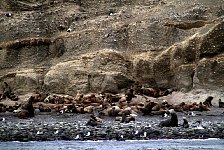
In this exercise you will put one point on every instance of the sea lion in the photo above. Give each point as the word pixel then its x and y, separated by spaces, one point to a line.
pixel 7 91
pixel 194 107
pixel 137 87
pixel 165 105
pixel 88 109
pixel 43 108
pixel 157 107
pixel 185 107
pixel 78 98
pixel 125 118
pixel 27 109
pixel 165 92
pixel 185 123
pixel 203 107
pixel 208 101
pixel 129 95
pixel 39 97
pixel 71 108
pixel 177 108
pixel 152 92
pixel 2 107
pixel 111 98
pixel 94 121
pixel 127 111
pixel 221 104
pixel 147 109
pixel 113 111
pixel 171 122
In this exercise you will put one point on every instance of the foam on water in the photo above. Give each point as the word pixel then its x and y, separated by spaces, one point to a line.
pixel 168 144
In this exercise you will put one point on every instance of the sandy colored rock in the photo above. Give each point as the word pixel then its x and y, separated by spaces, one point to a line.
pixel 63 46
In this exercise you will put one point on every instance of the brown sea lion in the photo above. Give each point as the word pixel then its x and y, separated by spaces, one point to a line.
pixel 165 92
pixel 177 108
pixel 147 109
pixel 94 121
pixel 194 107
pixel 208 101
pixel 203 107
pixel 127 111
pixel 27 109
pixel 88 109
pixel 129 95
pixel 152 92
pixel 67 99
pixel 39 97
pixel 125 118
pixel 165 105
pixel 43 108
pixel 137 87
pixel 78 98
pixel 184 106
pixel 71 109
pixel 80 109
pixel 157 107
pixel 113 111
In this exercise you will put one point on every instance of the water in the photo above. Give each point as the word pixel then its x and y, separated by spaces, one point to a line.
pixel 183 144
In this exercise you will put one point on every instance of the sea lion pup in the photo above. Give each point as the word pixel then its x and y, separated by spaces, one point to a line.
pixel 221 104
pixel 185 123
pixel 208 101
pixel 27 109
pixel 171 122
pixel 94 121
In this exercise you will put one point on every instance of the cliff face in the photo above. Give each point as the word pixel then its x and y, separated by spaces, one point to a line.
pixel 62 46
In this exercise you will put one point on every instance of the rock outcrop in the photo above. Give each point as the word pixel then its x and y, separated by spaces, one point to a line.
pixel 61 46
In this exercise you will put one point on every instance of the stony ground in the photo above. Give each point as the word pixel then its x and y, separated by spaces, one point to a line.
pixel 53 126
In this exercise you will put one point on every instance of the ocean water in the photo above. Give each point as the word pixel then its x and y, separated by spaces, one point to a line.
pixel 162 144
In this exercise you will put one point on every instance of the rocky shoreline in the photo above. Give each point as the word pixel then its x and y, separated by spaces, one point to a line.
pixel 54 126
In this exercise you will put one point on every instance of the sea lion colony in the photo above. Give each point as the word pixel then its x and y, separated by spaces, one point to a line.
pixel 124 107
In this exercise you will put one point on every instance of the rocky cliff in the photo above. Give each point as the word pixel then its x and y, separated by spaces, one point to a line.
pixel 62 46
